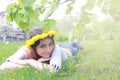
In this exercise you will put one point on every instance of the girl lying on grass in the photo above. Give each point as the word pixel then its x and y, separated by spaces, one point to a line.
pixel 41 52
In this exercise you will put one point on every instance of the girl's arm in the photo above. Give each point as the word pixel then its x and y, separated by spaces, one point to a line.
pixel 37 64
pixel 17 56
pixel 29 62
pixel 13 64
pixel 56 58
pixel 10 65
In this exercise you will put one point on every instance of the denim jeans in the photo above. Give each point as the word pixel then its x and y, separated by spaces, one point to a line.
pixel 73 47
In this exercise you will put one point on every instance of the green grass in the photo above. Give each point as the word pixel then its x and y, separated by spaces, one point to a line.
pixel 98 61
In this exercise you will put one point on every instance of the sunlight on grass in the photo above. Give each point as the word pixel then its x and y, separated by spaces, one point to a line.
pixel 98 61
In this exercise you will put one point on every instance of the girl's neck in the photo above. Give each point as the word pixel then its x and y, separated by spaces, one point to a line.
pixel 34 53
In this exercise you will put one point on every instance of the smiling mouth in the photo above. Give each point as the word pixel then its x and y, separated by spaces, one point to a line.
pixel 46 54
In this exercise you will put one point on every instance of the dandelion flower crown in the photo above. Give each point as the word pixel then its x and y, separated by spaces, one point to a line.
pixel 44 35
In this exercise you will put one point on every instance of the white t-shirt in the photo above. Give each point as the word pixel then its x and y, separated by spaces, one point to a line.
pixel 58 56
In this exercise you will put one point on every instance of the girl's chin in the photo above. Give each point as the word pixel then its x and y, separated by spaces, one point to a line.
pixel 46 56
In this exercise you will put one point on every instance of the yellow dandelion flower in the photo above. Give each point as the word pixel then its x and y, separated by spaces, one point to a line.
pixel 41 36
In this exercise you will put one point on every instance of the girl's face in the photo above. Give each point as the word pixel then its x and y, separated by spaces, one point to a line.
pixel 45 48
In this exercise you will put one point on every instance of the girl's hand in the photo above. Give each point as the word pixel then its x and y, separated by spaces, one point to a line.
pixel 35 64
pixel 43 59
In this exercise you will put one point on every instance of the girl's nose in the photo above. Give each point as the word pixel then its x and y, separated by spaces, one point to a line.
pixel 48 49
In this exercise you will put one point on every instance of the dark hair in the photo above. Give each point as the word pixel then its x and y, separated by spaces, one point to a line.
pixel 35 32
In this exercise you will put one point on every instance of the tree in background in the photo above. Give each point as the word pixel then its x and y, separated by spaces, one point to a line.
pixel 93 22
pixel 26 13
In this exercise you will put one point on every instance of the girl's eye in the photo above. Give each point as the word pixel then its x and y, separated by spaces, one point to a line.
pixel 43 46
pixel 51 44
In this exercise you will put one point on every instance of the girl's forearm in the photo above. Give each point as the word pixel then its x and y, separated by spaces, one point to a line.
pixel 29 62
pixel 35 64
pixel 26 63
pixel 10 65
pixel 39 66
pixel 20 62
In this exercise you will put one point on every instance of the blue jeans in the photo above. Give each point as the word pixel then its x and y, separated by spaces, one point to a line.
pixel 73 47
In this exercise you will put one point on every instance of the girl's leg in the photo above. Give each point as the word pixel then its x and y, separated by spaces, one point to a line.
pixel 74 47
pixel 70 47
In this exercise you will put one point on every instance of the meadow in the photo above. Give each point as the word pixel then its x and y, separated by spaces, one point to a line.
pixel 98 61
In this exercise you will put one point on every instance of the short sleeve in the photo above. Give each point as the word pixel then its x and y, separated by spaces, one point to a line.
pixel 56 58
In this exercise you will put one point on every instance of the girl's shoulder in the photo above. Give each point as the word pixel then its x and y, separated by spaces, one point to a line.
pixel 57 46
pixel 26 49
pixel 28 52
pixel 57 49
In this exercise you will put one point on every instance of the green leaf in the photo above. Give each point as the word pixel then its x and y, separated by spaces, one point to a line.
pixel 42 10
pixel 22 25
pixel 8 8
pixel 27 2
pixel 69 9
pixel 90 4
pixel 32 13
pixel 14 7
pixel 25 19
pixel 56 1
pixel 21 11
pixel 43 1
pixel 9 18
pixel 51 11
pixel 19 1
pixel 49 24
